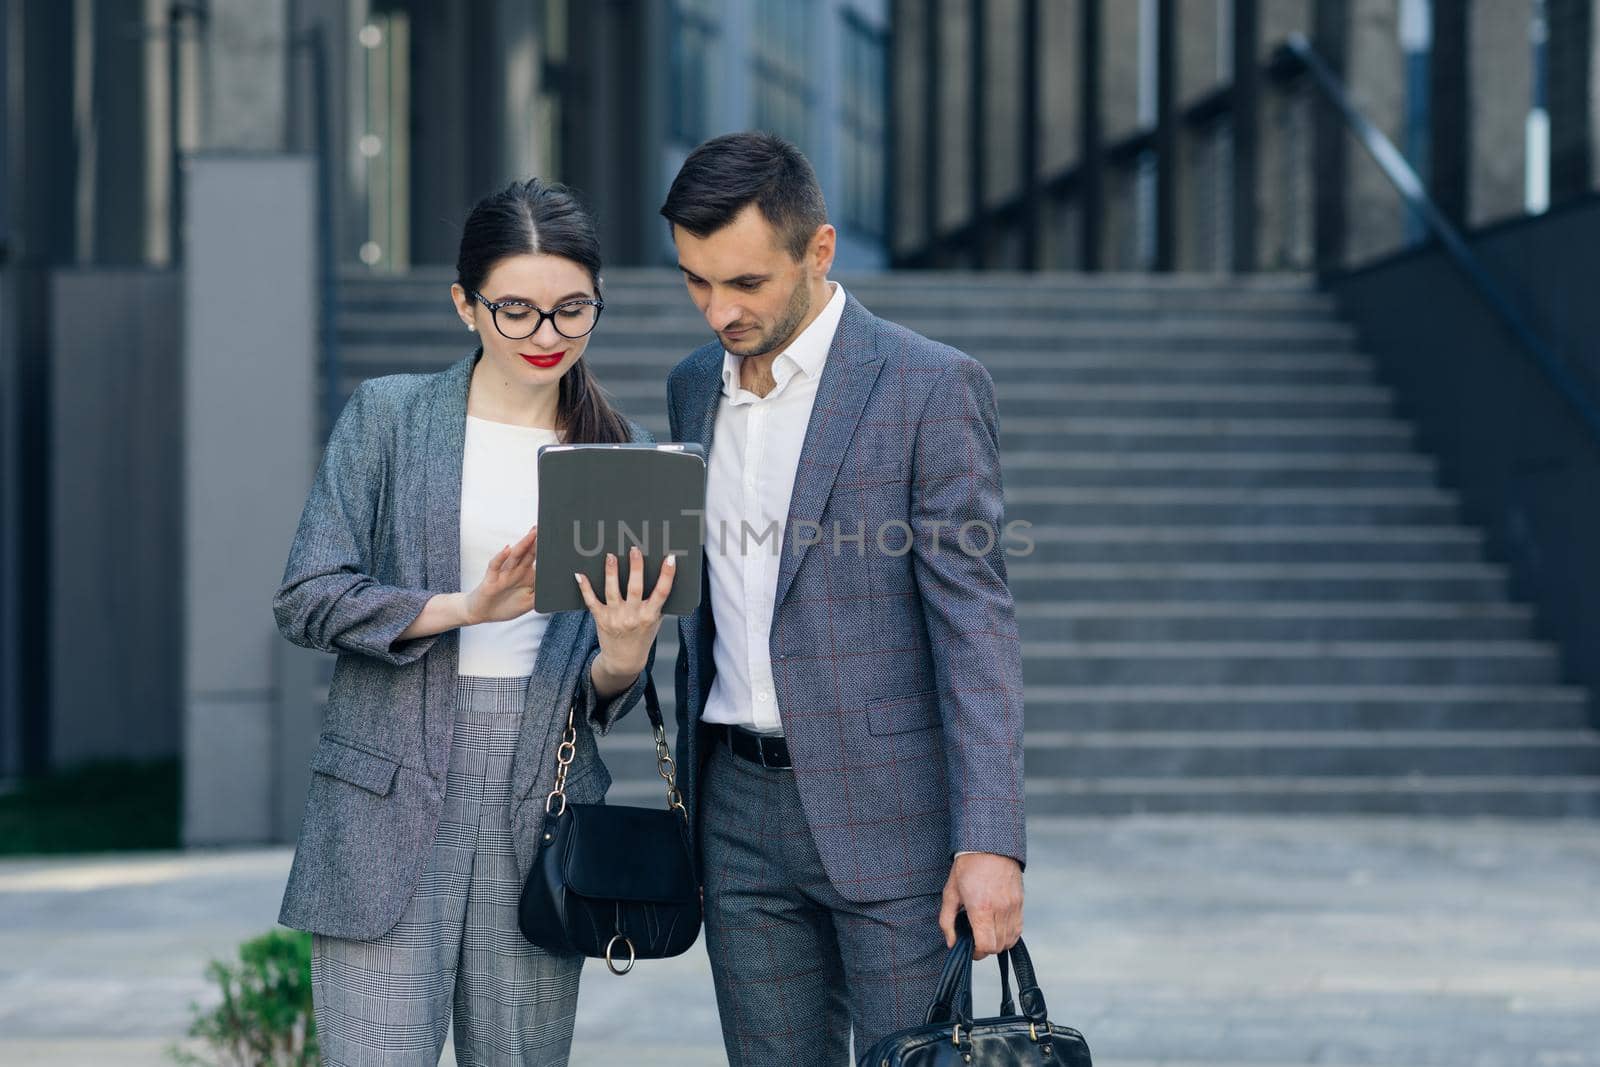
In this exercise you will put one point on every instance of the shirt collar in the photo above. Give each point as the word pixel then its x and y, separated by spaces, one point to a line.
pixel 806 353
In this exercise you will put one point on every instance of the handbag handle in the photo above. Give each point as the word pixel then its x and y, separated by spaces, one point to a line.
pixel 1028 991
pixel 953 999
pixel 567 751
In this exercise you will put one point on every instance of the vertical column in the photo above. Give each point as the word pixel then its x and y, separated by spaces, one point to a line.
pixel 931 23
pixel 115 534
pixel 1091 154
pixel 1536 174
pixel 616 94
pixel 1246 132
pixel 1032 45
pixel 43 231
pixel 893 129
pixel 1416 45
pixel 444 127
pixel 650 177
pixel 246 101
pixel 1166 135
pixel 977 72
pixel 1330 35
pixel 11 509
pixel 246 472
pixel 120 136
pixel 1572 97
pixel 1450 131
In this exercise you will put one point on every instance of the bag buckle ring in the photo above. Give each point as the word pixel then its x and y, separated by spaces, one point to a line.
pixel 611 948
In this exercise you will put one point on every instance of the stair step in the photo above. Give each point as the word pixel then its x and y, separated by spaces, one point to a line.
pixel 645 355
pixel 1245 544
pixel 996 280
pixel 1452 795
pixel 1339 753
pixel 1185 435
pixel 1065 400
pixel 686 331
pixel 623 360
pixel 1040 459
pixel 1190 435
pixel 1263 581
pixel 1310 621
pixel 668 295
pixel 618 363
pixel 1231 506
pixel 1289 663
pixel 1552 713
pixel 1222 469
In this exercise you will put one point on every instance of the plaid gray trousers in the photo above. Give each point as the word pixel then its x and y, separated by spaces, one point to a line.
pixel 796 966
pixel 456 950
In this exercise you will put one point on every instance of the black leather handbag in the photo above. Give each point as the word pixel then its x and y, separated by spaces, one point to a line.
pixel 951 1037
pixel 616 883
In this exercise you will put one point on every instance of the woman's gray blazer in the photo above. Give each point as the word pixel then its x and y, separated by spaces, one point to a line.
pixel 381 533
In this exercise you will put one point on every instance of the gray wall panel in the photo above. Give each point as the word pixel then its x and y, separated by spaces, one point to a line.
pixel 114 457
pixel 1526 467
pixel 250 354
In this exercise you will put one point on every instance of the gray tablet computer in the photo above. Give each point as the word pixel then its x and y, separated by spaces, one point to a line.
pixel 595 499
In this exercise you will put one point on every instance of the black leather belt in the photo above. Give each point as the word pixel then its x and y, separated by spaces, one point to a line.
pixel 769 750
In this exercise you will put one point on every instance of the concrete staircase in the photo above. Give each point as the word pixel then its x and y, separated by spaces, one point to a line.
pixel 1249 592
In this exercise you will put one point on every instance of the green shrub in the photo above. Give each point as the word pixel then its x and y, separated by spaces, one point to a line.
pixel 264 1019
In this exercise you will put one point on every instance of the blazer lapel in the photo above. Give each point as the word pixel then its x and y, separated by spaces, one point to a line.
pixel 696 424
pixel 446 439
pixel 701 402
pixel 847 379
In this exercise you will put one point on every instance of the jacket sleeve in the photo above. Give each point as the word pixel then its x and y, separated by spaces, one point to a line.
pixel 328 599
pixel 958 514
pixel 605 714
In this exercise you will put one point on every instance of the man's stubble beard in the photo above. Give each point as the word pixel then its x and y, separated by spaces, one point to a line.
pixel 794 314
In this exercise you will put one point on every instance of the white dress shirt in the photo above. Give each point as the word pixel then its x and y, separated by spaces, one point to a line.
pixel 499 502
pixel 755 452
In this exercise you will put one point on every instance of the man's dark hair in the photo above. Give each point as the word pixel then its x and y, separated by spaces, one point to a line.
pixel 727 173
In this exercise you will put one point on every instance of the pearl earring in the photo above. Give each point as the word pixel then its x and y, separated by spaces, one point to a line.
pixel 472 327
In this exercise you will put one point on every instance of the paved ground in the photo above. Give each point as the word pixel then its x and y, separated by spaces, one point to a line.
pixel 1166 941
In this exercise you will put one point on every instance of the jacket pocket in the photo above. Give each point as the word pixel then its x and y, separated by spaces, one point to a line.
pixel 903 714
pixel 343 761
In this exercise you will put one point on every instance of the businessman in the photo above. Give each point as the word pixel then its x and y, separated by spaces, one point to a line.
pixel 850 688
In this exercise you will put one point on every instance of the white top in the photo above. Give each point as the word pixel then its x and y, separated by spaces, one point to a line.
pixel 499 503
pixel 754 455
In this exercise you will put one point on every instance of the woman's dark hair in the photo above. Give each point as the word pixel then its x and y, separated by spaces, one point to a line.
pixel 544 218
pixel 729 172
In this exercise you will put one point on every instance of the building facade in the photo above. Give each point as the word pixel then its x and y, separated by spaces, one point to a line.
pixel 1167 135
pixel 407 111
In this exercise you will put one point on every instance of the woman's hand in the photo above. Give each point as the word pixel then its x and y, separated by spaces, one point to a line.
pixel 506 591
pixel 626 625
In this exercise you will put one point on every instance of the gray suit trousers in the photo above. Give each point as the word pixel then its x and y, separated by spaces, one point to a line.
pixel 797 967
pixel 456 951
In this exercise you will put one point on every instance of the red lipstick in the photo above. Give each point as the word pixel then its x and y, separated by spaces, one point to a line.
pixel 546 360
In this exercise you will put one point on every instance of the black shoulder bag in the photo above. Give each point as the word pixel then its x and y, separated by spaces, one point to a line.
pixel 951 1037
pixel 612 880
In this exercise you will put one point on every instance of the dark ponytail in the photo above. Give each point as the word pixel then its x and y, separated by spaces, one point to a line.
pixel 544 218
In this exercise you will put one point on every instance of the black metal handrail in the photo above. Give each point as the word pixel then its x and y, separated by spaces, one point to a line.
pixel 1296 56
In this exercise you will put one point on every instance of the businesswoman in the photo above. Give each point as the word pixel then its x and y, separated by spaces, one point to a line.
pixel 414 563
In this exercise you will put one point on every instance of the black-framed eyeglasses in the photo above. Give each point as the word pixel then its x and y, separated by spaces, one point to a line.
pixel 516 319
